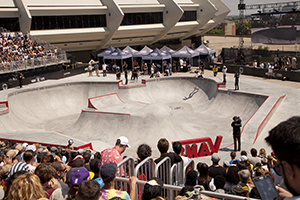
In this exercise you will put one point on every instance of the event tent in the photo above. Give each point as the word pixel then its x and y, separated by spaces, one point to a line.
pixel 185 52
pixel 106 52
pixel 132 51
pixel 156 55
pixel 118 54
pixel 167 49
pixel 145 51
pixel 204 50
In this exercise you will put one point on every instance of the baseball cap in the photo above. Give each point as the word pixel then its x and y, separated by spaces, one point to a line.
pixel 215 157
pixel 109 170
pixel 79 175
pixel 25 144
pixel 19 147
pixel 53 149
pixel 243 158
pixel 12 153
pixel 153 188
pixel 4 170
pixel 100 181
pixel 124 141
pixel 31 147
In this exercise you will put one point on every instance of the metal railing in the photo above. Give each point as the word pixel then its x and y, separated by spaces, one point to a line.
pixel 164 171
pixel 178 188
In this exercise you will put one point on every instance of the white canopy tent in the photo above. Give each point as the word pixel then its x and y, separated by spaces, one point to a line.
pixel 167 49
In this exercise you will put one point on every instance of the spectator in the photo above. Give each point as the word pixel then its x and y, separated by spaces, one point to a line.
pixel 78 176
pixel 10 180
pixel 215 169
pixel 232 178
pixel 94 165
pixel 177 148
pixel 88 190
pixel 26 187
pixel 262 153
pixel 233 158
pixel 285 142
pixel 254 159
pixel 113 155
pixel 108 173
pixel 191 178
pixel 242 187
pixel 219 182
pixel 47 174
pixel 18 167
pixel 144 151
pixel 163 146
pixel 63 188
pixel 264 162
pixel 153 189
pixel 28 157
pixel 204 178
pixel 87 159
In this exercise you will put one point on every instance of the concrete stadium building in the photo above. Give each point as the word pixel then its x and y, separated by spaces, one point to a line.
pixel 91 25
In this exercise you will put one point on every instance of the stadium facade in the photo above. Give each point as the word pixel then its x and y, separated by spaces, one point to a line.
pixel 81 25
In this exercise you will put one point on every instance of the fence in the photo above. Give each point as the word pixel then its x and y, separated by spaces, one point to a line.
pixel 53 56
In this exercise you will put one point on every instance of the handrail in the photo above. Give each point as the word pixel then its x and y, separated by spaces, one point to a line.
pixel 178 188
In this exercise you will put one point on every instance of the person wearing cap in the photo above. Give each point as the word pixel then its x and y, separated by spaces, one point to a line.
pixel 153 189
pixel 215 169
pixel 109 173
pixel 236 125
pixel 242 188
pixel 113 155
pixel 78 176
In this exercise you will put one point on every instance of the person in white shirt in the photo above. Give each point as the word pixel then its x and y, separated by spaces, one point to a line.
pixel 104 69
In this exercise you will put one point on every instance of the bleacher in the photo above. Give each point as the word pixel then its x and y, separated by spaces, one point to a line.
pixel 15 57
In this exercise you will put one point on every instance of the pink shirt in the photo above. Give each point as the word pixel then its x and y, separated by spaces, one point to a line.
pixel 111 155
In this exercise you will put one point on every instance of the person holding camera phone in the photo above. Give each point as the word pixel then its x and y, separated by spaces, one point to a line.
pixel 236 125
pixel 285 142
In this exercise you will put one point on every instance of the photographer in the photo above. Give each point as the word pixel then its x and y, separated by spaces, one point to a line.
pixel 236 125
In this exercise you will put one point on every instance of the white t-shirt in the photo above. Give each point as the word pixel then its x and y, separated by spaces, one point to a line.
pixel 104 67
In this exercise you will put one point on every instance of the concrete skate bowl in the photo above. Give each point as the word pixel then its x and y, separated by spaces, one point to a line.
pixel 174 108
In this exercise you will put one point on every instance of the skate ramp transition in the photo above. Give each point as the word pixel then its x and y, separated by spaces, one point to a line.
pixel 174 108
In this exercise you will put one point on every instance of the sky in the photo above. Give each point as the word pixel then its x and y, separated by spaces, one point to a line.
pixel 233 4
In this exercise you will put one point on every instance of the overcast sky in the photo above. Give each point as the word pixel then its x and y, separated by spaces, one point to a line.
pixel 233 4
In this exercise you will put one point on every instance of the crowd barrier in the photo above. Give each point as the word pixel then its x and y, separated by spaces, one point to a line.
pixel 173 177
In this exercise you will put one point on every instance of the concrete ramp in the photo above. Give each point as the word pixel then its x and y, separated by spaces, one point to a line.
pixel 175 108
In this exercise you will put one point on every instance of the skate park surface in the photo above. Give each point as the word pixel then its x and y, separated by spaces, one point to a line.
pixel 94 109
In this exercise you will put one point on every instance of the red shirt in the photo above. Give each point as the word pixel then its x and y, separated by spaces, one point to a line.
pixel 111 155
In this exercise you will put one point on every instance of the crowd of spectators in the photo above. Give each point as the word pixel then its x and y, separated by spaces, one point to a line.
pixel 49 172
pixel 19 50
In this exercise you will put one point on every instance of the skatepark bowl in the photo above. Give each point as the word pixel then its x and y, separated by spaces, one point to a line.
pixel 176 108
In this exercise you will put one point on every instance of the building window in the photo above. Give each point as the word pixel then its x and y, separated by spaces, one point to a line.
pixel 189 16
pixel 66 22
pixel 142 18
pixel 11 24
